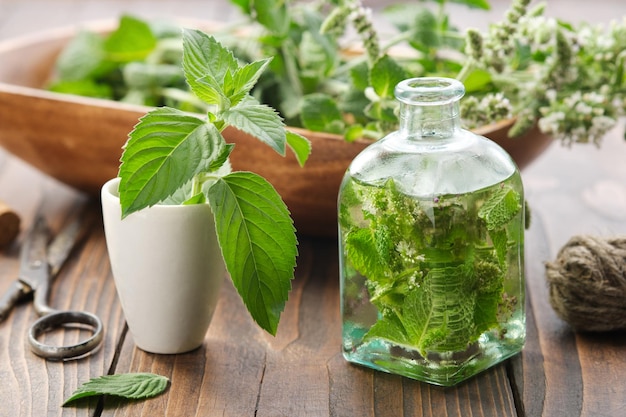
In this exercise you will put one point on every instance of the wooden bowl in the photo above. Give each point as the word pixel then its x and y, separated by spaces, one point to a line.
pixel 78 140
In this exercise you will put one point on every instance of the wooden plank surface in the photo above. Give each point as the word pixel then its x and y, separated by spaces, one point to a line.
pixel 301 372
pixel 31 386
pixel 240 371
pixel 574 192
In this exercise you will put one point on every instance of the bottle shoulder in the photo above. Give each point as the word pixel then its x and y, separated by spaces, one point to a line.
pixel 462 163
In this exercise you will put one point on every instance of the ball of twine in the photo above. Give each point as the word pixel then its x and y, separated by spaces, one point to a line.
pixel 587 283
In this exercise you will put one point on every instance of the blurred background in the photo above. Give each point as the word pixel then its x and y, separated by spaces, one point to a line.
pixel 542 179
pixel 21 16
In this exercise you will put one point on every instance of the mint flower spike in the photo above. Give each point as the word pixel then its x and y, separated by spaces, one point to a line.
pixel 175 157
pixel 336 22
pixel 474 44
pixel 500 40
pixel 361 17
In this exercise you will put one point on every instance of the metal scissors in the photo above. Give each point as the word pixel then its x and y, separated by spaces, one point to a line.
pixel 39 264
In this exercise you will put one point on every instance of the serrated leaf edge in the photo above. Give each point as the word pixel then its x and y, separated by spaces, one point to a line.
pixel 148 385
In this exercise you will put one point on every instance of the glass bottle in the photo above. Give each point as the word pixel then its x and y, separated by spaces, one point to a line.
pixel 431 233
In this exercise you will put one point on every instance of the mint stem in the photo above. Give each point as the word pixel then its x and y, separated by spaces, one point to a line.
pixel 196 185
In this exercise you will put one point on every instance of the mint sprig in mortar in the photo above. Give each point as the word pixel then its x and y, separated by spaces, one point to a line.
pixel 173 157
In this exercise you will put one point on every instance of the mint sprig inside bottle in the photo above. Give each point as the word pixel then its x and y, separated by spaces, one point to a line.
pixel 431 225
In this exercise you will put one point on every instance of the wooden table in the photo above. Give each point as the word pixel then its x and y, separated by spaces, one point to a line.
pixel 240 371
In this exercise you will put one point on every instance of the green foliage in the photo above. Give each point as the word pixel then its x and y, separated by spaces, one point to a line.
pixel 132 41
pixel 166 148
pixel 476 4
pixel 175 157
pixel 273 14
pixel 363 255
pixel 206 63
pixel 384 76
pixel 500 208
pixel 258 243
pixel 300 146
pixel 525 66
pixel 436 316
pixel 82 58
pixel 320 113
pixel 137 63
pixel 260 121
pixel 435 270
pixel 141 76
pixel 132 386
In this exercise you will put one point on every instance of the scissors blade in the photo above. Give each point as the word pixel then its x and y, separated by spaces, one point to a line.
pixel 33 273
pixel 33 257
pixel 63 243
pixel 14 293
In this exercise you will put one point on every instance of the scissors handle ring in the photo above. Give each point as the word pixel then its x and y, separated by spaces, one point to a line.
pixel 60 318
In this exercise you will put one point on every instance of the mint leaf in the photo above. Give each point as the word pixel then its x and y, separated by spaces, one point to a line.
pixel 131 386
pixel 385 74
pixel 221 157
pixel 260 121
pixel 321 114
pixel 353 133
pixel 314 57
pixel 402 16
pixel 166 149
pixel 273 14
pixel 133 40
pixel 86 87
pixel 209 90
pixel 142 75
pixel 203 55
pixel 244 4
pixel 436 316
pixel 486 310
pixel 389 328
pixel 477 80
pixel 500 208
pixel 359 74
pixel 199 198
pixel 476 4
pixel 245 78
pixel 258 243
pixel 426 311
pixel 426 32
pixel 489 273
pixel 384 110
pixel 300 146
pixel 206 64
pixel 499 239
pixel 361 250
pixel 81 58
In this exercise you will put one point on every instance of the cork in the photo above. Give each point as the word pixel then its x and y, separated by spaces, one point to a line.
pixel 9 225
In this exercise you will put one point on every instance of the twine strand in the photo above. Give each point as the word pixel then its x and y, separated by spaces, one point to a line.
pixel 587 283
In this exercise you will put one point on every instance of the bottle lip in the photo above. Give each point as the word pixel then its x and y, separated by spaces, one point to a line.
pixel 429 91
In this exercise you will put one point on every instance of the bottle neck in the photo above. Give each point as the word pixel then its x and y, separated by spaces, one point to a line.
pixel 429 121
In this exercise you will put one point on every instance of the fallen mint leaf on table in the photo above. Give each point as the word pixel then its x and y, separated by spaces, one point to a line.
pixel 132 386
